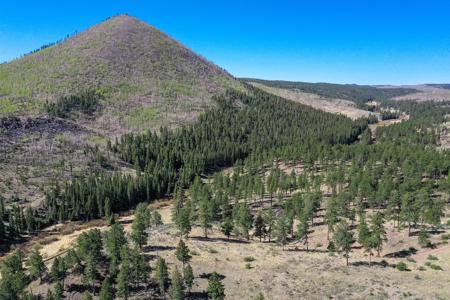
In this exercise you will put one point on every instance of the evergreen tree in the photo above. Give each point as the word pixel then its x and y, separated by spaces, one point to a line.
pixel 365 236
pixel 269 220
pixel 13 277
pixel 216 290
pixel 184 221
pixel 378 235
pixel 182 253
pixel 161 274
pixel 259 226
pixel 139 226
pixel 176 290
pixel 227 227
pixel 343 239
pixel 303 231
pixel 188 277
pixel 205 216
pixel 36 264
pixel 106 292
pixel 58 291
pixel 281 230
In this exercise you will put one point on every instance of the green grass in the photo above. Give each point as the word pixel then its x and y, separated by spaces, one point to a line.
pixel 7 106
pixel 98 140
pixel 141 117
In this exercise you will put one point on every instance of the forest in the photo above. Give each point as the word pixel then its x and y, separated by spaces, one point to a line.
pixel 292 167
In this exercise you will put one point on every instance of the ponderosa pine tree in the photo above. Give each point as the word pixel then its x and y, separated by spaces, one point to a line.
pixel 259 226
pixel 269 219
pixel 281 230
pixel 176 289
pixel 13 279
pixel 188 277
pixel 139 226
pixel 303 230
pixel 343 239
pixel 161 274
pixel 216 290
pixel 378 233
pixel 227 227
pixel 182 253
pixel 36 265
pixel 106 291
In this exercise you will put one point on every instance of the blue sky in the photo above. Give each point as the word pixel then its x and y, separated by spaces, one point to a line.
pixel 346 41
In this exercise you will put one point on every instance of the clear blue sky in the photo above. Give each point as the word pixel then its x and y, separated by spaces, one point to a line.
pixel 343 41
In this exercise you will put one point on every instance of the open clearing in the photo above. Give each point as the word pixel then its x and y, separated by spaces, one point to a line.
pixel 250 267
pixel 336 106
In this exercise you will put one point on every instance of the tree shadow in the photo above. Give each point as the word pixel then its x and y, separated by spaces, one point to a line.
pixel 304 250
pixel 157 248
pixel 383 264
pixel 402 253
pixel 207 275
pixel 197 296
pixel 218 239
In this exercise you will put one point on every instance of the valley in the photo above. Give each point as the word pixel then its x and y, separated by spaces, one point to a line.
pixel 133 168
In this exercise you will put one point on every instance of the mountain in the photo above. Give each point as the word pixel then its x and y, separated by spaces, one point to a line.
pixel 141 78
pixel 146 78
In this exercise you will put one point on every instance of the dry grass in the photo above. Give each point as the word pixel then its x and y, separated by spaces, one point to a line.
pixel 336 106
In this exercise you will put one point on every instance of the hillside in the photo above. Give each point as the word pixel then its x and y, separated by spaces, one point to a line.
pixel 356 93
pixel 133 77
pixel 146 78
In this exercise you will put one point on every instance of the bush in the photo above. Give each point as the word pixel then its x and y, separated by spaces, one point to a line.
pixel 435 267
pixel 249 259
pixel 423 239
pixel 411 260
pixel 432 257
pixel 401 266
pixel 422 268
pixel 248 266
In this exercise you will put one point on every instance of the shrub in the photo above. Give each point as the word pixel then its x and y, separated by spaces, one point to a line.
pixel 249 259
pixel 436 267
pixel 401 266
pixel 411 260
pixel 248 266
pixel 432 257
pixel 422 268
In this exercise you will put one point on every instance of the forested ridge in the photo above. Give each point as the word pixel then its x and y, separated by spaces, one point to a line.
pixel 400 178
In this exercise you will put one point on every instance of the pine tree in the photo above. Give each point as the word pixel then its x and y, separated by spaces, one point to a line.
pixel 161 274
pixel 86 296
pixel 269 220
pixel 114 241
pixel 331 216
pixel 259 226
pixel 205 216
pixel 303 230
pixel 216 290
pixel 343 239
pixel 176 286
pixel 138 228
pixel 227 227
pixel 188 277
pixel 182 253
pixel 13 277
pixel 123 281
pixel 106 292
pixel 58 291
pixel 36 264
pixel 281 230
pixel 378 235
pixel 365 236
pixel 184 221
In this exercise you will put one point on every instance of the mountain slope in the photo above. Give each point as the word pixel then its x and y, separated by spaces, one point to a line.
pixel 147 78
